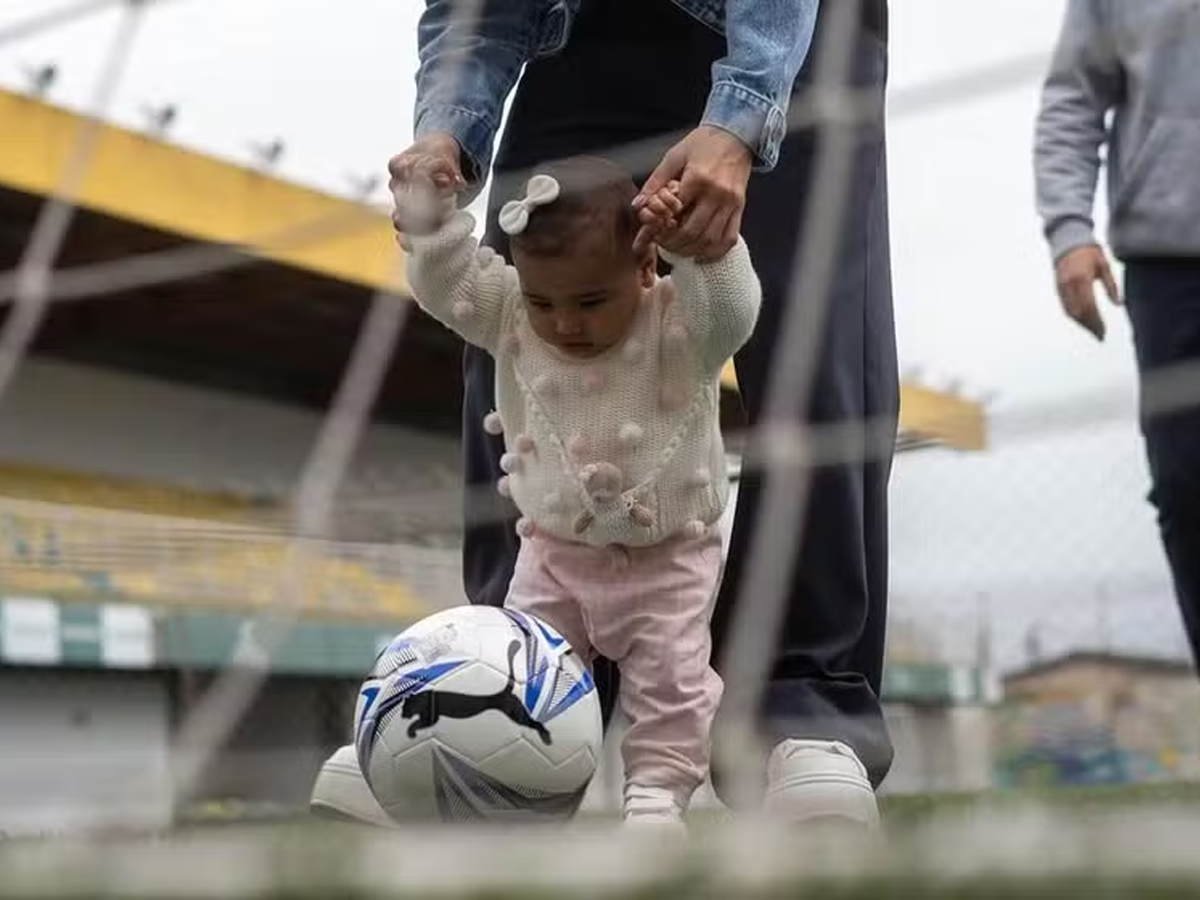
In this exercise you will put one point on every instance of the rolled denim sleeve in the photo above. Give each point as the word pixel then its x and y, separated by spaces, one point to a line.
pixel 470 56
pixel 768 42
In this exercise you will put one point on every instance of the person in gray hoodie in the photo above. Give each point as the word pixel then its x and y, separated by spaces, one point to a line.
pixel 1126 76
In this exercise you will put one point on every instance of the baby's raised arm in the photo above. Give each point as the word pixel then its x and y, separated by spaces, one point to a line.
pixel 717 302
pixel 468 288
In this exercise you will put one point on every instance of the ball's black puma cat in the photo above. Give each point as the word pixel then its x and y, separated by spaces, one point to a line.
pixel 430 705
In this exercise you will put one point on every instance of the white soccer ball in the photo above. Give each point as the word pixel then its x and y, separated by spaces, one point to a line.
pixel 478 713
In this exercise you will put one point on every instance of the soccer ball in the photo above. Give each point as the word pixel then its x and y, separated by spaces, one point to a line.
pixel 478 714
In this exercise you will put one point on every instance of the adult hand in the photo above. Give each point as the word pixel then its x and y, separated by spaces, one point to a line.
pixel 423 178
pixel 1076 274
pixel 712 167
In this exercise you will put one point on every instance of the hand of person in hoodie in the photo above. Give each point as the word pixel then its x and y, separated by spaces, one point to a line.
pixel 1076 274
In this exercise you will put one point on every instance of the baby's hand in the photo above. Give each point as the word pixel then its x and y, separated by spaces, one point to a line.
pixel 659 213
pixel 425 180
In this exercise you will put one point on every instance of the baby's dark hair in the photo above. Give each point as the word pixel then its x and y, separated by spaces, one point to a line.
pixel 595 201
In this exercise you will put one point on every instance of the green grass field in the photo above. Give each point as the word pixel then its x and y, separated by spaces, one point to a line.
pixel 1095 843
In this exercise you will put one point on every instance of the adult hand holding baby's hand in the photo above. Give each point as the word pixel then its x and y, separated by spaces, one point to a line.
pixel 658 215
pixel 712 167
pixel 424 181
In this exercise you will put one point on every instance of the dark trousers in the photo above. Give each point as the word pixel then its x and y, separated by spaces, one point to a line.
pixel 1163 300
pixel 826 680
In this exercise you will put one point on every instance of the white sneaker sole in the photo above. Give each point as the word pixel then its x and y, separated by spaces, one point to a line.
pixel 824 796
pixel 341 792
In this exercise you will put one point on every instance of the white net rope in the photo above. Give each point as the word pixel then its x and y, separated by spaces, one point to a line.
pixel 291 561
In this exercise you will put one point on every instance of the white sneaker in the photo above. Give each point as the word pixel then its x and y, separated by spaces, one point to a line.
pixel 809 780
pixel 650 807
pixel 341 792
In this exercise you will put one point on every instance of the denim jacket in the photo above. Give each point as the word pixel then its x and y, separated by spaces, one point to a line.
pixel 468 68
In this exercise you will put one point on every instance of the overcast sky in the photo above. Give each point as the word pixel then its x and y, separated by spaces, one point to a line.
pixel 1040 526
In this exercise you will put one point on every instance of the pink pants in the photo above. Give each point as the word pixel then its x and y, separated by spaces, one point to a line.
pixel 647 609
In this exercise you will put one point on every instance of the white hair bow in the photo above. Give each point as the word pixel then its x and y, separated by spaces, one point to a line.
pixel 539 191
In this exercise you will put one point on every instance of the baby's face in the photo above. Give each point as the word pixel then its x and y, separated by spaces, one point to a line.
pixel 583 303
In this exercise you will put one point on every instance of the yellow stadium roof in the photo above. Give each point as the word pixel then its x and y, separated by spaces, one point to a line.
pixel 150 182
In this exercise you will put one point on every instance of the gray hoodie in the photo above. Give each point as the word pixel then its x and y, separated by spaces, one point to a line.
pixel 1139 60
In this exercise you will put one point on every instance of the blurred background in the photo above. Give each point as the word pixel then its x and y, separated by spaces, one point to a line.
pixel 229 234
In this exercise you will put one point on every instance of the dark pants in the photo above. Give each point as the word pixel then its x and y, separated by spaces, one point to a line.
pixel 826 681
pixel 1163 299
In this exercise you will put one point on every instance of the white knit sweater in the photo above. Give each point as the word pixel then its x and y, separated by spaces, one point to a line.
pixel 624 448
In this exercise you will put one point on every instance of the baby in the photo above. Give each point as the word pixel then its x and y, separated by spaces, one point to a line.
pixel 608 389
